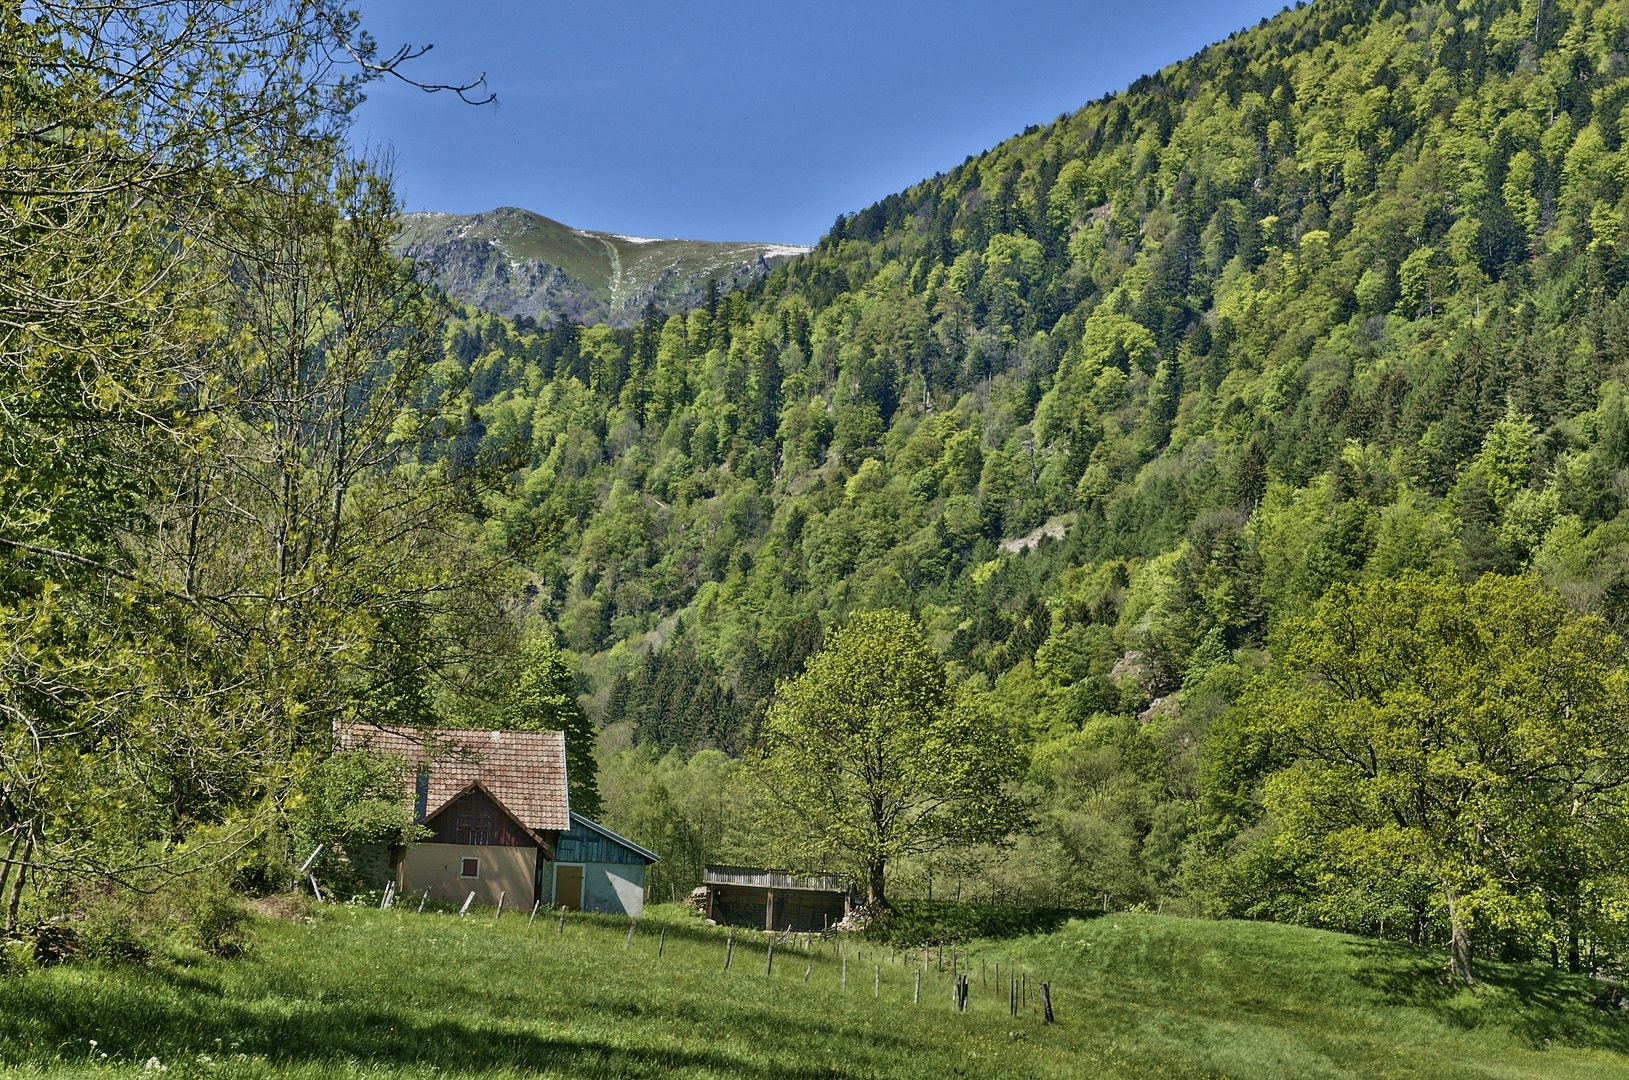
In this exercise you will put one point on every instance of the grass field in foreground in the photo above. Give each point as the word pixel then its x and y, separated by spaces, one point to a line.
pixel 360 992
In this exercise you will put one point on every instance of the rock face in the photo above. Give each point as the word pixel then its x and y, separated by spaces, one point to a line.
pixel 515 263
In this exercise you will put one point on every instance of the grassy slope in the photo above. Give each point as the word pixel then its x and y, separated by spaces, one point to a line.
pixel 388 994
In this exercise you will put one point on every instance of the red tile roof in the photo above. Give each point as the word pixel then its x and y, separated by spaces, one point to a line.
pixel 525 770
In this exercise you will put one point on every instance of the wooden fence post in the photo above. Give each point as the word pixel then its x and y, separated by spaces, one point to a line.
pixel 661 943
pixel 535 906
pixel 876 985
pixel 845 971
pixel 423 898
pixel 468 900
pixel 629 942
pixel 807 969
pixel 499 914
pixel 1046 1003
pixel 561 929
pixel 769 958
pixel 916 994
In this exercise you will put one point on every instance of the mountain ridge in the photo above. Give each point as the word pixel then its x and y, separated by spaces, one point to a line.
pixel 520 264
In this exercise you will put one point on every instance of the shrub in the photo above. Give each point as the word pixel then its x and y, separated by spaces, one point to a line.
pixel 934 922
pixel 221 924
pixel 16 956
pixel 111 935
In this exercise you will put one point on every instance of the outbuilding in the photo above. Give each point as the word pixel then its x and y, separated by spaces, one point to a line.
pixel 597 870
pixel 772 900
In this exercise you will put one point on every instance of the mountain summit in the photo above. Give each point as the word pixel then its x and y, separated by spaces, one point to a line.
pixel 513 262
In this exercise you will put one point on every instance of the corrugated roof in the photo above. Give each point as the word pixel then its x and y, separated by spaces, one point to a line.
pixel 525 770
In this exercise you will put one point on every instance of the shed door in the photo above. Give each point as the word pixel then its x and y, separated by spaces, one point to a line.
pixel 568 887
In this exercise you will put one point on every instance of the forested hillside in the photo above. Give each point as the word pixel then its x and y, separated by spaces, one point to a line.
pixel 1109 407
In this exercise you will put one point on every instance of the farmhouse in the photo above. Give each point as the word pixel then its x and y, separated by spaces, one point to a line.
pixel 502 828
pixel 768 899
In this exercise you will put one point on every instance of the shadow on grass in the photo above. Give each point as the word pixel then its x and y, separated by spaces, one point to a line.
pixel 933 922
pixel 130 1024
pixel 1537 1005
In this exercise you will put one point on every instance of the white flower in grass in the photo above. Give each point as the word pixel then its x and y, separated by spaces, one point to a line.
pixel 154 1065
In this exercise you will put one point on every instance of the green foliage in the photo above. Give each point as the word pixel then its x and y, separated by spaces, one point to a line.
pixel 544 698
pixel 1464 736
pixel 219 922
pixel 915 923
pixel 218 536
pixel 870 756
pixel 348 802
pixel 1108 407
pixel 681 808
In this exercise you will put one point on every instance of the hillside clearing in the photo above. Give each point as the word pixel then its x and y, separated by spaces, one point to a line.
pixel 367 993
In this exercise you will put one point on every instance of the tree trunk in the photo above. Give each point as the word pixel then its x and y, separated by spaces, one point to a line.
pixel 874 896
pixel 6 867
pixel 1459 939
pixel 17 886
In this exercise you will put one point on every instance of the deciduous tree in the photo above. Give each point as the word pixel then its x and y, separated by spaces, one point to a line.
pixel 1461 733
pixel 544 698
pixel 871 755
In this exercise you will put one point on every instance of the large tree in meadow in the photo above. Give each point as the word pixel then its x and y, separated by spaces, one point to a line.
pixel 871 755
pixel 1460 733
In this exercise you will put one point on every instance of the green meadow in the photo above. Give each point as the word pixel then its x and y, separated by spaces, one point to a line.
pixel 360 992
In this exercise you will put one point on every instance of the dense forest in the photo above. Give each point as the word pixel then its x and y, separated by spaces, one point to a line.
pixel 1108 408
pixel 1308 348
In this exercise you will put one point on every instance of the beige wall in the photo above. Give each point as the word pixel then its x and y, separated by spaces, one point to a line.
pixel 509 870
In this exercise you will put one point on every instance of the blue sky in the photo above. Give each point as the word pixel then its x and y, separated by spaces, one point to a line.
pixel 731 120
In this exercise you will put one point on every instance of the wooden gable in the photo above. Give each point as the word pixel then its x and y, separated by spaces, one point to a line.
pixel 475 817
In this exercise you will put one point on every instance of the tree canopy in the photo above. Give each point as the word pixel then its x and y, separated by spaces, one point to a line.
pixel 543 697
pixel 871 755
pixel 1473 736
pixel 215 536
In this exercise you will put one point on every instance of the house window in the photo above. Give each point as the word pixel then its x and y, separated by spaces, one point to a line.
pixel 471 868
pixel 481 831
